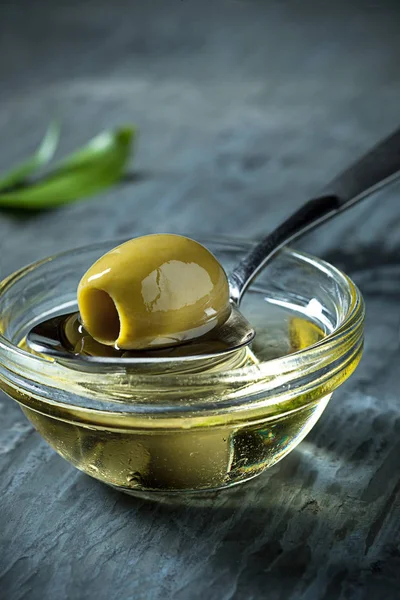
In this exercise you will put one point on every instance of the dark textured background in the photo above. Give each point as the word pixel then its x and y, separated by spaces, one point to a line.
pixel 245 109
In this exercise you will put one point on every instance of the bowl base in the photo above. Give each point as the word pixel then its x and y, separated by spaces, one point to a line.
pixel 192 496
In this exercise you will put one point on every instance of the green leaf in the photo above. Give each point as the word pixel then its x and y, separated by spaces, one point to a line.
pixel 42 156
pixel 87 171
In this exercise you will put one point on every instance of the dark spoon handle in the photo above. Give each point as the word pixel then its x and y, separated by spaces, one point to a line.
pixel 372 171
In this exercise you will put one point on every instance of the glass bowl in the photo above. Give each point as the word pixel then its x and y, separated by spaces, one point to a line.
pixel 157 426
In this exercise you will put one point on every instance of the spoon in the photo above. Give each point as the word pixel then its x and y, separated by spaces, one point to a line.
pixel 371 172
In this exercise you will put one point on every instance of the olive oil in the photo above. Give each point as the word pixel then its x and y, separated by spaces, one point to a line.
pixel 191 458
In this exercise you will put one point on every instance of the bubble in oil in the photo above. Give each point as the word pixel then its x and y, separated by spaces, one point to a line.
pixel 134 479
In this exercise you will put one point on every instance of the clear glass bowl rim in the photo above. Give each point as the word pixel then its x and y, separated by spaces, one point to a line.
pixel 89 388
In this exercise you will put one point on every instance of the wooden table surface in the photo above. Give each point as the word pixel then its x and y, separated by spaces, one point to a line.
pixel 244 110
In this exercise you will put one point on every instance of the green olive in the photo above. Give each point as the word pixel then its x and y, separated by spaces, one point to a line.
pixel 156 290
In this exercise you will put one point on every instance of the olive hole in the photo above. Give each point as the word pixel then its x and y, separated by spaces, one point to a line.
pixel 102 319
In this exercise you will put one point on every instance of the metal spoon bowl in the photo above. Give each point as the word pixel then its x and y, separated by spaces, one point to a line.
pixel 48 337
pixel 377 168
